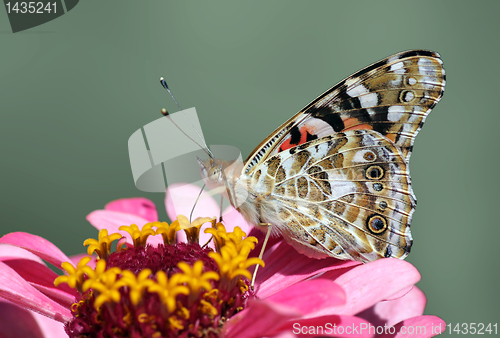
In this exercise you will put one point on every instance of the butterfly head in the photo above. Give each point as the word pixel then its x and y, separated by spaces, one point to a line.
pixel 225 177
pixel 212 172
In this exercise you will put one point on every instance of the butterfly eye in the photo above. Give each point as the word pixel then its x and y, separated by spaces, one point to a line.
pixel 215 173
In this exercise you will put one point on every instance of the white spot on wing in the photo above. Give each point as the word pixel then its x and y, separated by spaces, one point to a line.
pixel 368 100
pixel 394 113
pixel 424 62
pixel 322 150
pixel 356 91
pixel 409 96
pixel 396 66
pixel 393 58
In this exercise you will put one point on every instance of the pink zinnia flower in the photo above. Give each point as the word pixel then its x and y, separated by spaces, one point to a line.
pixel 294 295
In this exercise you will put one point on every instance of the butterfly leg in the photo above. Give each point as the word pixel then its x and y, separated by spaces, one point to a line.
pixel 269 228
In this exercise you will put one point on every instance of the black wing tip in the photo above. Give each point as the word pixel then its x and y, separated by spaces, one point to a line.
pixel 417 52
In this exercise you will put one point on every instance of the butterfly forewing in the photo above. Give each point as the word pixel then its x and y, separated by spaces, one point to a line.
pixel 334 179
pixel 392 96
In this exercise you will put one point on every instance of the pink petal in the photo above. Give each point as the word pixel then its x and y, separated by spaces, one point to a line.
pixel 41 277
pixel 417 327
pixel 232 218
pixel 16 322
pixel 288 334
pixel 367 284
pixel 310 295
pixel 11 252
pixel 331 326
pixel 272 243
pixel 180 199
pixel 36 245
pixel 112 220
pixel 51 328
pixel 138 206
pixel 401 293
pixel 285 267
pixel 62 297
pixel 17 290
pixel 155 240
pixel 257 320
pixel 33 270
pixel 391 312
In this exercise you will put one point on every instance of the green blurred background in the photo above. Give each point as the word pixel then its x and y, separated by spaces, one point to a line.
pixel 73 90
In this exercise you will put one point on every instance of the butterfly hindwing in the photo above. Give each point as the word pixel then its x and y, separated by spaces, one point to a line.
pixel 347 195
pixel 392 97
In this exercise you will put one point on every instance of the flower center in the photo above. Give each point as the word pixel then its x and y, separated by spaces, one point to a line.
pixel 172 290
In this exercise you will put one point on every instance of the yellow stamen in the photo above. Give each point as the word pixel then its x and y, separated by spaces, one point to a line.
pixel 75 276
pixel 196 279
pixel 207 308
pixel 219 234
pixel 143 318
pixel 95 275
pixel 106 287
pixel 167 231
pixel 175 323
pixel 234 239
pixel 182 311
pixel 168 288
pixel 102 246
pixel 192 229
pixel 136 284
pixel 232 264
pixel 139 236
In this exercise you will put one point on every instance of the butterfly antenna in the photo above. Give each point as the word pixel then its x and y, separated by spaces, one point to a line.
pixel 165 85
pixel 195 202
pixel 269 228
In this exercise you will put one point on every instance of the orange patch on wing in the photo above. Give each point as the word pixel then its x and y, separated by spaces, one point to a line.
pixel 391 137
pixel 287 144
pixel 353 123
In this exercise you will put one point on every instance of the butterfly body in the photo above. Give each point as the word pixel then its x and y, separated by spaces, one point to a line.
pixel 334 179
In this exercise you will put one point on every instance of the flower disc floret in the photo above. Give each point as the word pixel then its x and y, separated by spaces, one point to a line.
pixel 168 288
pixel 75 277
pixel 137 284
pixel 196 279
pixel 167 231
pixel 102 246
pixel 233 264
pixel 192 229
pixel 139 236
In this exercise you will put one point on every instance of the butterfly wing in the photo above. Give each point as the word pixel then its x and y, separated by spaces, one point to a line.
pixel 346 195
pixel 392 96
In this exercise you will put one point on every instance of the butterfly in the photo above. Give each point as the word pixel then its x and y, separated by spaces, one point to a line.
pixel 334 179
